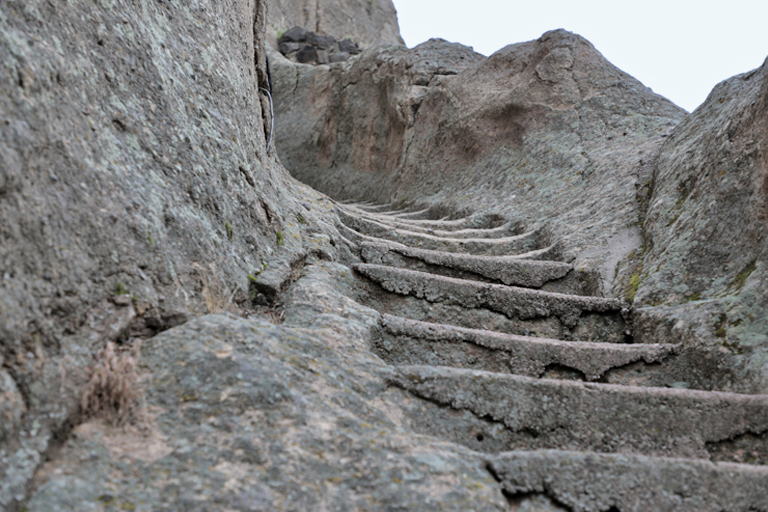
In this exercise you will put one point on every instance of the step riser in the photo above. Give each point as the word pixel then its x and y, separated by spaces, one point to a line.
pixel 492 247
pixel 601 418
pixel 514 303
pixel 673 371
pixel 438 225
pixel 404 350
pixel 593 327
pixel 501 270
pixel 592 482
pixel 402 341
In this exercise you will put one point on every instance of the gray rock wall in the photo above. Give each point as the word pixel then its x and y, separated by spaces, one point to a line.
pixel 132 158
pixel 703 278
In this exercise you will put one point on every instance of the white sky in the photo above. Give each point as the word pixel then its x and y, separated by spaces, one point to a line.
pixel 679 48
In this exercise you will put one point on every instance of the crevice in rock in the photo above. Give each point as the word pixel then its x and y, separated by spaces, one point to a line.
pixel 562 372
pixel 517 500
pixel 746 448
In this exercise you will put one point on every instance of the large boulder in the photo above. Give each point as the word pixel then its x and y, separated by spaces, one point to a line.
pixel 703 278
pixel 370 22
pixel 547 132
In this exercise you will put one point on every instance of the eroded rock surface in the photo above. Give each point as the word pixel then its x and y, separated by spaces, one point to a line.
pixel 703 276
pixel 543 130
pixel 132 160
pixel 472 346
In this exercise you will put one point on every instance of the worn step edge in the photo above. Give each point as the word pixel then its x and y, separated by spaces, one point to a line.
pixel 595 482
pixel 508 270
pixel 512 301
pixel 531 356
pixel 418 214
pixel 448 225
pixel 504 231
pixel 380 229
pixel 467 227
pixel 591 416
pixel 369 207
pixel 523 243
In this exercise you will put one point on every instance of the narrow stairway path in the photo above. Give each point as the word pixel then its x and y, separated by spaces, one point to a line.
pixel 515 351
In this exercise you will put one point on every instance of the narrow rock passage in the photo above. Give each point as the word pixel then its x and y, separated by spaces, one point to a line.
pixel 513 349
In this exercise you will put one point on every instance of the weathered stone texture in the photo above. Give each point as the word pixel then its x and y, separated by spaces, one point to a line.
pixel 132 153
pixel 703 277
pixel 546 130
pixel 371 22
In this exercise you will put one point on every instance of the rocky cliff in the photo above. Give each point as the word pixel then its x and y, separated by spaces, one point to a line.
pixel 562 308
pixel 548 132
pixel 133 165
pixel 370 22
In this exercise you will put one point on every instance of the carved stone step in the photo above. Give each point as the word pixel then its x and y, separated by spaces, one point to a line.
pixel 478 226
pixel 467 238
pixel 416 215
pixel 594 482
pixel 473 222
pixel 543 413
pixel 514 302
pixel 519 244
pixel 405 341
pixel 509 270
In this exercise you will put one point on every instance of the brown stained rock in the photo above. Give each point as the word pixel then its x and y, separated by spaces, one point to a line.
pixel 594 417
pixel 589 482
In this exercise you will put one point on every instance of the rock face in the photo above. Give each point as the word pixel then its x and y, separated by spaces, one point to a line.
pixel 371 22
pixel 132 160
pixel 473 346
pixel 307 47
pixel 702 277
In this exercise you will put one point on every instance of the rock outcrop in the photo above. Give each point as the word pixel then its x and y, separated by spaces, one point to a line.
pixel 370 22
pixel 702 276
pixel 308 47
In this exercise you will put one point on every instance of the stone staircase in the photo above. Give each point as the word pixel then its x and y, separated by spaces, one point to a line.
pixel 515 356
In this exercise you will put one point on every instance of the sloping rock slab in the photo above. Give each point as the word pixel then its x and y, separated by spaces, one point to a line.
pixel 254 416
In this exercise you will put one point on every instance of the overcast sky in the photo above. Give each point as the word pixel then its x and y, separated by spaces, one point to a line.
pixel 679 48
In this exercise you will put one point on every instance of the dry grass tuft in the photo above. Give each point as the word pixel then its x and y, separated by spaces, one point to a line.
pixel 114 390
pixel 216 296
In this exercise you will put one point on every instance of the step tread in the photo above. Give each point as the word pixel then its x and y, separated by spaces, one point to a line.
pixel 531 355
pixel 592 482
pixel 492 246
pixel 510 270
pixel 592 416
pixel 512 301
pixel 420 224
